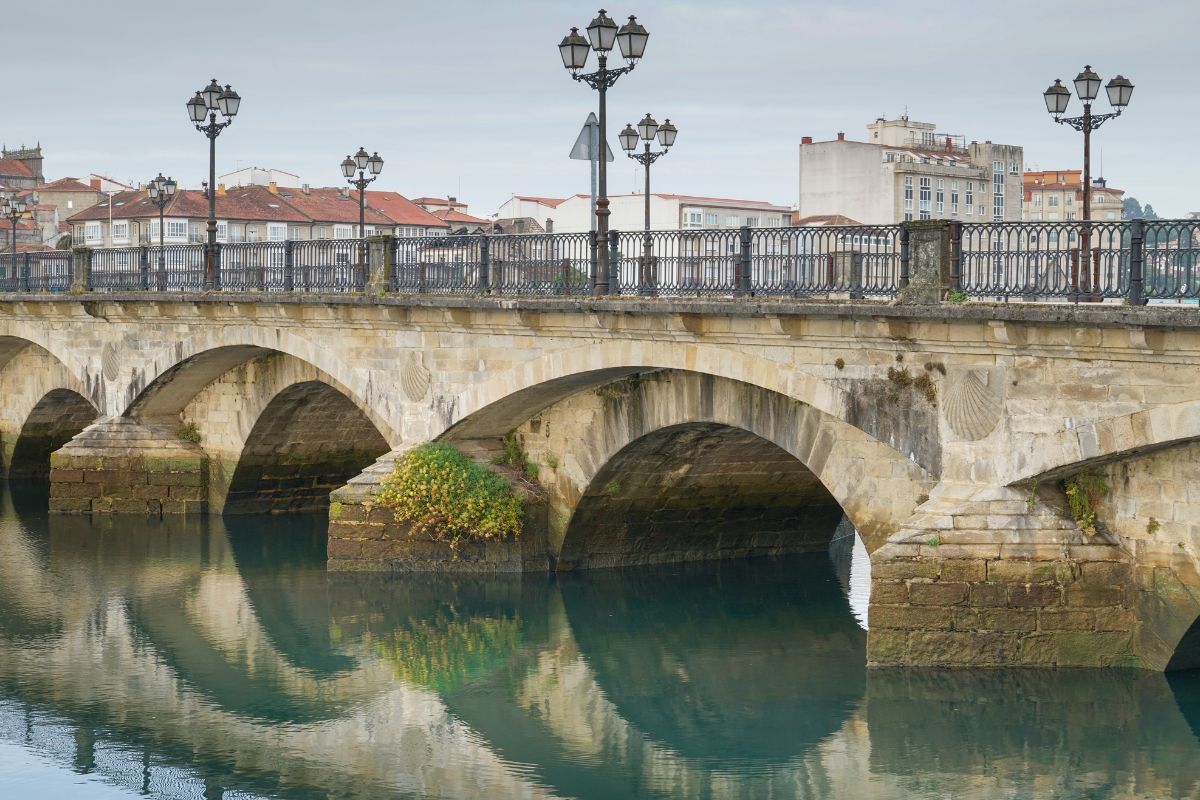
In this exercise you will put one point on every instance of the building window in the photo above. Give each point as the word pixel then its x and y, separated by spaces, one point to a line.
pixel 752 222
pixel 953 197
pixel 1052 201
pixel 732 221
pixel 1037 201
pixel 91 232
pixel 120 230
pixel 343 231
pixel 695 219
pixel 941 196
pixel 773 222
pixel 177 229
pixel 998 167
pixel 1014 168
pixel 222 231
pixel 1112 215
pixel 908 196
pixel 970 198
pixel 925 198
pixel 251 233
pixel 196 232
pixel 276 232
pixel 709 219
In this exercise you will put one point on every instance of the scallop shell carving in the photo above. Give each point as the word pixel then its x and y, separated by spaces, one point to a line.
pixel 109 364
pixel 415 378
pixel 973 401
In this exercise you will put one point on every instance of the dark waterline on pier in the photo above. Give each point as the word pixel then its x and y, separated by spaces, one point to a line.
pixel 218 658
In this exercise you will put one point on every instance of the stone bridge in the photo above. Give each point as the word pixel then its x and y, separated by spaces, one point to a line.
pixel 670 430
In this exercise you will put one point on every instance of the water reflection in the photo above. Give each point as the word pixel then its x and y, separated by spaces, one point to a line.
pixel 188 658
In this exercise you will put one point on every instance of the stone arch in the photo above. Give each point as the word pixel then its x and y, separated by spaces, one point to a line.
pixel 1106 440
pixel 58 417
pixel 176 373
pixel 510 397
pixel 259 419
pixel 309 440
pixel 687 415
pixel 44 405
pixel 72 364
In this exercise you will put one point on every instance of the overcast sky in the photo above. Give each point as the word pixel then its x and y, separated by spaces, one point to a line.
pixel 470 97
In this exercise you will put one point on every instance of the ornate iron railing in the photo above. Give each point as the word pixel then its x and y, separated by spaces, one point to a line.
pixel 1132 260
pixel 39 271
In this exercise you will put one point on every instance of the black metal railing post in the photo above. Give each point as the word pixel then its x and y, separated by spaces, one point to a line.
pixel 216 261
pixel 289 267
pixel 956 251
pixel 24 278
pixel 904 257
pixel 144 268
pixel 1137 263
pixel 483 284
pixel 856 276
pixel 614 262
pixel 742 273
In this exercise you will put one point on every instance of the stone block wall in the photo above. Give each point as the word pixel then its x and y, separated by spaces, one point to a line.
pixel 990 582
pixel 121 467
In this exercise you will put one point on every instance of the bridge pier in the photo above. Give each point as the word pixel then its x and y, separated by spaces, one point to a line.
pixel 120 466
pixel 999 578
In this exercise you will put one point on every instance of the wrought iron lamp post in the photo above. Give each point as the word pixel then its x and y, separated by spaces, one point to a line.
pixel 203 109
pixel 161 191
pixel 363 163
pixel 14 210
pixel 646 130
pixel 602 34
pixel 1087 86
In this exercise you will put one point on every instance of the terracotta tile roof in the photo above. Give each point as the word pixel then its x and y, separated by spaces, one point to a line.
pixel 438 201
pixel 246 203
pixel 329 205
pixel 67 185
pixel 11 166
pixel 826 219
pixel 553 202
pixel 458 216
pixel 402 210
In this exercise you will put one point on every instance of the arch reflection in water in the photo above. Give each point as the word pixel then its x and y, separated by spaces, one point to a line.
pixel 227 658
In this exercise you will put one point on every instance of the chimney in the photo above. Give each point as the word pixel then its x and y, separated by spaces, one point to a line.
pixel 95 183
pixel 273 187
pixel 948 145
pixel 453 199
pixel 305 188
pixel 519 226
pixel 841 136
pixel 220 190
pixel 549 225
pixel 805 140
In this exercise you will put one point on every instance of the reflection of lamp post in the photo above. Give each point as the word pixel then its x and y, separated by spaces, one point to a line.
pixel 14 209
pixel 161 191
pixel 202 109
pixel 1087 86
pixel 647 129
pixel 362 162
pixel 602 33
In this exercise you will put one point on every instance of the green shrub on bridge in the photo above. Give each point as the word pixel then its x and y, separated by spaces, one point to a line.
pixel 448 497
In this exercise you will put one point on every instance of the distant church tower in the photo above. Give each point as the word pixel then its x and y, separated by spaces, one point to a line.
pixel 31 157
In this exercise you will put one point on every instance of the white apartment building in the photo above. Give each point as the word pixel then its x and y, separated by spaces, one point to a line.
pixel 907 170
pixel 669 212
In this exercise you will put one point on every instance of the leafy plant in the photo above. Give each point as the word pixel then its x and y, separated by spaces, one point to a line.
pixel 551 461
pixel 188 432
pixel 1031 498
pixel 1152 526
pixel 934 541
pixel 514 456
pixel 840 364
pixel 956 296
pixel 925 385
pixel 613 488
pixel 1085 491
pixel 448 497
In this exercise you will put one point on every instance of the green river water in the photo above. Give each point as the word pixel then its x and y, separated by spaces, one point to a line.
pixel 217 658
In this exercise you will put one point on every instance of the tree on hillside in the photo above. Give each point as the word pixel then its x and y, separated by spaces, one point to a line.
pixel 1131 208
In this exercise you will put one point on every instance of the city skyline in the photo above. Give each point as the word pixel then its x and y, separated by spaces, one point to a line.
pixel 487 111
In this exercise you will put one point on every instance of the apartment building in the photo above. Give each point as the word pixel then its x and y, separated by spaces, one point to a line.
pixel 1057 195
pixel 669 212
pixel 908 170
pixel 454 213
pixel 249 214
